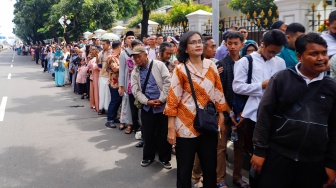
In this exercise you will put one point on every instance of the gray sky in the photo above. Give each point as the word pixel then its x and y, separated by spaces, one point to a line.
pixel 6 15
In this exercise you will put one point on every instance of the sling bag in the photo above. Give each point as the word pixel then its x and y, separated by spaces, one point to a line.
pixel 136 101
pixel 206 120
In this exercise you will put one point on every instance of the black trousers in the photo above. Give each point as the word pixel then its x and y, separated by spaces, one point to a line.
pixel 206 148
pixel 134 111
pixel 155 130
pixel 37 58
pixel 88 86
pixel 44 64
pixel 279 171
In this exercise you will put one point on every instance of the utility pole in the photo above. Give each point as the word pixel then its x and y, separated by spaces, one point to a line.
pixel 215 21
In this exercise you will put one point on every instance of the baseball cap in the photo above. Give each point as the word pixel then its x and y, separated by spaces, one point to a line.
pixel 137 50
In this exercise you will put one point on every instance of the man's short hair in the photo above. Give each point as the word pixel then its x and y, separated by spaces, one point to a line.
pixel 293 28
pixel 332 17
pixel 205 39
pixel 106 41
pixel 116 44
pixel 164 46
pixel 234 35
pixel 158 35
pixel 274 37
pixel 135 42
pixel 311 37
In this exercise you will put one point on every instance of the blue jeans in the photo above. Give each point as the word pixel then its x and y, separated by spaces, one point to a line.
pixel 114 104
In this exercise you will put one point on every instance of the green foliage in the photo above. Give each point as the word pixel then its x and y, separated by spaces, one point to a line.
pixel 176 15
pixel 84 15
pixel 160 18
pixel 135 21
pixel 179 11
pixel 29 17
pixel 38 19
pixel 127 8
pixel 251 6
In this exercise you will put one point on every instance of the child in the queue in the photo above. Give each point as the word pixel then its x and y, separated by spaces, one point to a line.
pixel 81 78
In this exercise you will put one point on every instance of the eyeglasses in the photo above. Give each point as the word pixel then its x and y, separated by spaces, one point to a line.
pixel 243 32
pixel 195 42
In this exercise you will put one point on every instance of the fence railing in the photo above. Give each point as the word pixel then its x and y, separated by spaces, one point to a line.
pixel 314 18
pixel 171 30
pixel 256 24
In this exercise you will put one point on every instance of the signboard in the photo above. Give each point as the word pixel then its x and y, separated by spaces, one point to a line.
pixel 61 20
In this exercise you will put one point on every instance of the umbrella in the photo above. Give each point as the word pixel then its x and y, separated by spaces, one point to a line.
pixel 110 36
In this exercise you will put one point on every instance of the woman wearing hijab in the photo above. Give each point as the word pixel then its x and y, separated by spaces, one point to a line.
pixel 249 47
pixel 59 69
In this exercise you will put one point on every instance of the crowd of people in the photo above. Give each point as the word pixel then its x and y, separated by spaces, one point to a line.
pixel 274 99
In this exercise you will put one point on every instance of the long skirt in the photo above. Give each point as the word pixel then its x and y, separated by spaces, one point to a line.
pixel 104 93
pixel 94 95
pixel 50 67
pixel 59 78
pixel 125 114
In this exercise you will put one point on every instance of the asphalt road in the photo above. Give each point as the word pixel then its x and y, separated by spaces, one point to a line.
pixel 47 143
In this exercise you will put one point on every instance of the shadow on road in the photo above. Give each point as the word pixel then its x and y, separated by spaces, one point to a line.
pixel 31 167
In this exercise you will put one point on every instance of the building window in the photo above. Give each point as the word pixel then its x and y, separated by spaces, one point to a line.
pixel 330 2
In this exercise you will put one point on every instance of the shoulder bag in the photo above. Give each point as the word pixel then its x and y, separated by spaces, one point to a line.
pixel 206 120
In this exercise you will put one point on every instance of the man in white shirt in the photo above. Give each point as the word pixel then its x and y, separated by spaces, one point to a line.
pixel 152 49
pixel 330 35
pixel 265 63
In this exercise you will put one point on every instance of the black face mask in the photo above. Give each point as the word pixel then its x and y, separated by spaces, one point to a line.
pixel 333 35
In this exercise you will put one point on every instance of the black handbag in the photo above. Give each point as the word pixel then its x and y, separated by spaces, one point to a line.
pixel 206 120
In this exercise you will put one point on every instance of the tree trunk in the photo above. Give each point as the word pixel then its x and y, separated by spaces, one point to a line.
pixel 144 22
pixel 26 38
pixel 54 33
pixel 67 37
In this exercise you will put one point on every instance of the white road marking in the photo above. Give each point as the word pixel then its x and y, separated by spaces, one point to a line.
pixel 11 65
pixel 3 108
pixel 9 76
pixel 12 60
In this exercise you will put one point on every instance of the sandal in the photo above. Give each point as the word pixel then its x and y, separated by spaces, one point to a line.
pixel 222 185
pixel 122 127
pixel 128 130
pixel 197 184
pixel 100 112
pixel 241 183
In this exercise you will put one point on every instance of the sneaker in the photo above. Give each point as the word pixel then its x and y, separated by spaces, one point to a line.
pixel 145 163
pixel 139 144
pixel 166 165
pixel 110 125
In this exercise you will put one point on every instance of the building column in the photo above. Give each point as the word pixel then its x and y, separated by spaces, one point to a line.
pixel 296 11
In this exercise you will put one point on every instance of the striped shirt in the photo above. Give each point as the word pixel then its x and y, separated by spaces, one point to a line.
pixel 180 103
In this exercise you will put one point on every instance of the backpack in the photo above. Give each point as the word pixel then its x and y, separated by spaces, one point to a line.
pixel 239 101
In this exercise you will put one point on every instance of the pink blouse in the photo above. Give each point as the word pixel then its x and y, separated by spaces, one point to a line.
pixel 81 74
